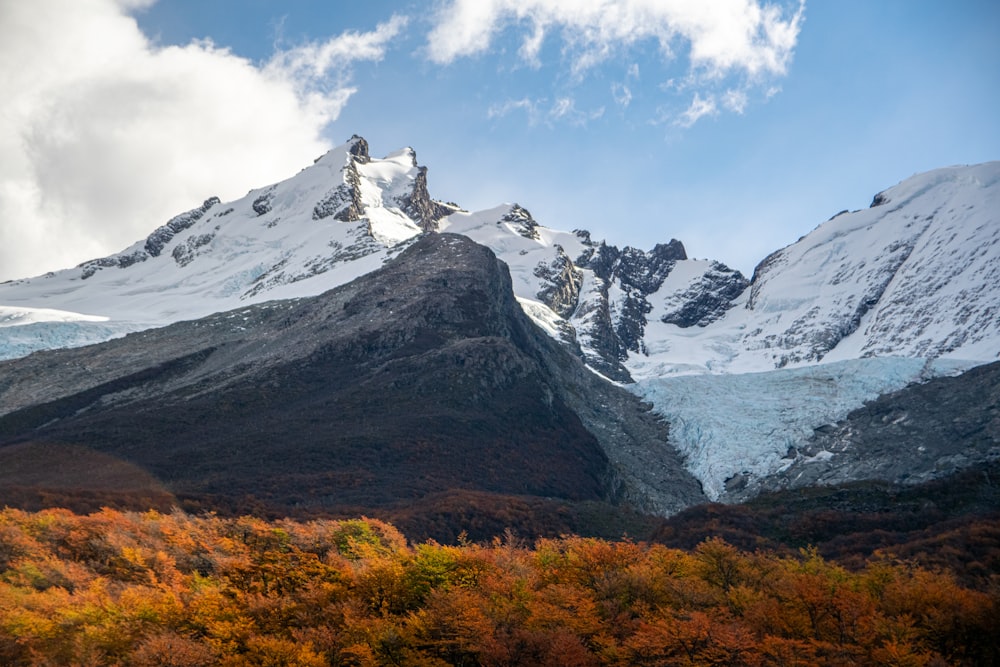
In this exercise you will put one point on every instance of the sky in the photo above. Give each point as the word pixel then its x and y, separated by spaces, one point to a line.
pixel 736 126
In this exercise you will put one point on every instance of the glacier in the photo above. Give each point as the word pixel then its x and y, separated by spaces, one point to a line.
pixel 744 424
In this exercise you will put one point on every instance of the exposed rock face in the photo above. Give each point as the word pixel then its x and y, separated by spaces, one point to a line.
pixel 705 301
pixel 646 271
pixel 160 237
pixel 594 317
pixel 262 204
pixel 629 280
pixel 520 221
pixel 562 281
pixel 184 253
pixel 340 200
pixel 154 242
pixel 358 147
pixel 638 277
pixel 349 193
pixel 640 274
pixel 419 205
pixel 420 377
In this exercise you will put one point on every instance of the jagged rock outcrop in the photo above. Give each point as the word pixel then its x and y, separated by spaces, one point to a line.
pixel 561 284
pixel 154 243
pixel 418 203
pixel 706 299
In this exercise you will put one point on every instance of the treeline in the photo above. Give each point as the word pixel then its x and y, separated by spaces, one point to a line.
pixel 144 589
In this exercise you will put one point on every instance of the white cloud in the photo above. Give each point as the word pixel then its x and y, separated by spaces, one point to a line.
pixel 700 107
pixel 561 110
pixel 732 46
pixel 735 100
pixel 724 36
pixel 104 136
pixel 622 94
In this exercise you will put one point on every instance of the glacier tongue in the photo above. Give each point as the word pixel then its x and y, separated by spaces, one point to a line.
pixel 741 426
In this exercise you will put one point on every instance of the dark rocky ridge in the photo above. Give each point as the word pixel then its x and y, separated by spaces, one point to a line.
pixel 421 377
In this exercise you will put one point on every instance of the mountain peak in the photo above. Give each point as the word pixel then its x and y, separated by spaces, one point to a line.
pixel 340 217
pixel 358 147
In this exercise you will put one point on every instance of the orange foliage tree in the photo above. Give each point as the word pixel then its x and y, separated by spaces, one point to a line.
pixel 120 588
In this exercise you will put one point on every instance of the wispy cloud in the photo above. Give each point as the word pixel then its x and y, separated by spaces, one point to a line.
pixel 524 104
pixel 564 109
pixel 106 135
pixel 559 110
pixel 699 108
pixel 622 94
pixel 321 72
pixel 745 35
pixel 621 91
pixel 750 41
pixel 735 100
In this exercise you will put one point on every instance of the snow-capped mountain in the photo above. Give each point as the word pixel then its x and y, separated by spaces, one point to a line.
pixel 915 275
pixel 591 295
pixel 899 293
pixel 343 217
pixel 339 218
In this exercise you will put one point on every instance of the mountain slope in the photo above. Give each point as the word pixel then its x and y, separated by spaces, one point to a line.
pixel 916 275
pixel 418 378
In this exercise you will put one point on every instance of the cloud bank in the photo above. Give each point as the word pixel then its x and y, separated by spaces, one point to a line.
pixel 105 135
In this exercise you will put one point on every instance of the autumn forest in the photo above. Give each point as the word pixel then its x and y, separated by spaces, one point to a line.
pixel 152 588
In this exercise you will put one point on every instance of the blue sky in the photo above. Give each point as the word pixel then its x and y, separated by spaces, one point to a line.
pixel 591 125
